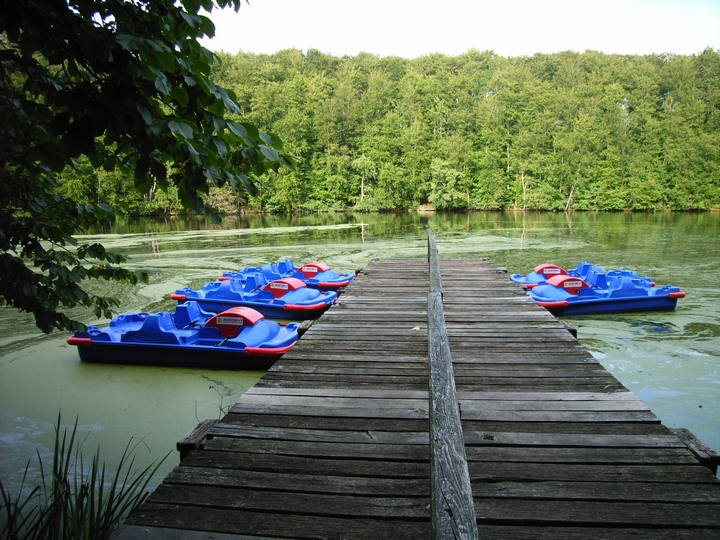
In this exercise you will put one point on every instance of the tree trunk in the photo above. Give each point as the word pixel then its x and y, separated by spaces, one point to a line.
pixel 572 189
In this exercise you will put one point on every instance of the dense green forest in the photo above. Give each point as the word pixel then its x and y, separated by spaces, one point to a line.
pixel 564 131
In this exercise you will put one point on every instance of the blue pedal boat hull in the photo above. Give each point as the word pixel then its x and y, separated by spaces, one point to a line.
pixel 315 275
pixel 286 298
pixel 140 355
pixel 569 296
pixel 238 339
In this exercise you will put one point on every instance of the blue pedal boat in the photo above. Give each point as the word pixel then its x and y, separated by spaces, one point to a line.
pixel 315 275
pixel 570 295
pixel 238 338
pixel 286 298
pixel 543 272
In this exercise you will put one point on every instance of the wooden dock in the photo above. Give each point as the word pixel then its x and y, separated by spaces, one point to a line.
pixel 334 441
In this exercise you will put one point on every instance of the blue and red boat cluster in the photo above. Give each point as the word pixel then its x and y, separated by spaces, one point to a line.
pixel 224 324
pixel 543 272
pixel 286 298
pixel 588 290
pixel 315 275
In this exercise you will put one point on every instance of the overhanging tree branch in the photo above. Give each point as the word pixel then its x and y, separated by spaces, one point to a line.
pixel 125 84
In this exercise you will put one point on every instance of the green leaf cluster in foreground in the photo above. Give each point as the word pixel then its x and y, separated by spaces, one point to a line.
pixel 117 87
pixel 564 131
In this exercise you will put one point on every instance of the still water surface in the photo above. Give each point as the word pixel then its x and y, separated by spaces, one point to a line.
pixel 670 359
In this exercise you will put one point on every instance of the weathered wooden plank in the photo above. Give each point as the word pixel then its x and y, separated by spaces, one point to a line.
pixel 607 381
pixel 592 397
pixel 705 455
pixel 540 405
pixel 575 472
pixel 596 385
pixel 347 384
pixel 359 356
pixel 361 412
pixel 583 455
pixel 279 524
pixel 329 378
pixel 315 464
pixel 135 532
pixel 478 406
pixel 588 371
pixel 327 422
pixel 390 452
pixel 345 369
pixel 195 439
pixel 334 402
pixel 306 483
pixel 572 439
pixel 330 392
pixel 593 428
pixel 554 532
pixel 599 491
pixel 453 515
pixel 559 416
pixel 317 504
pixel 308 381
pixel 615 514
pixel 322 435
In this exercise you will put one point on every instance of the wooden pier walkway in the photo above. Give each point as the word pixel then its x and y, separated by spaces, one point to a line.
pixel 334 441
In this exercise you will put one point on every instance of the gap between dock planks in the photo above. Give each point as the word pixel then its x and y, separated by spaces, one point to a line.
pixel 334 440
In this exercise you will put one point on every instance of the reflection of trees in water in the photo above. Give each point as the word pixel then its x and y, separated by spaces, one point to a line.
pixel 620 239
pixel 153 245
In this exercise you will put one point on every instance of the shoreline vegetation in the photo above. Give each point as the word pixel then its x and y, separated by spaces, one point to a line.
pixel 551 132
pixel 76 498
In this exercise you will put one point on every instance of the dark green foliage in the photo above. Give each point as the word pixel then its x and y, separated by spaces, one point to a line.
pixel 119 88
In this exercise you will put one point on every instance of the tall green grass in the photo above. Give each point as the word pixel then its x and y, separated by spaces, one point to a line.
pixel 75 501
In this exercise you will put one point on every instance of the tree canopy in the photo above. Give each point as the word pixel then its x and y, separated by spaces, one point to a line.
pixel 478 131
pixel 122 87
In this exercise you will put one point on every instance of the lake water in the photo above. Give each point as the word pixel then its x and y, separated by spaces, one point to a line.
pixel 670 359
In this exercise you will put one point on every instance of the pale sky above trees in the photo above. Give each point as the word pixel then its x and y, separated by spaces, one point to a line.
pixel 412 28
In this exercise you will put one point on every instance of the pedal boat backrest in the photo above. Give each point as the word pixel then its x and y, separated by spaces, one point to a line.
pixel 231 321
pixel 157 328
pixel 285 266
pixel 188 315
pixel 628 287
pixel 280 287
pixel 312 269
pixel 254 281
pixel 597 280
pixel 548 270
pixel 230 288
pixel 570 284
pixel 583 269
